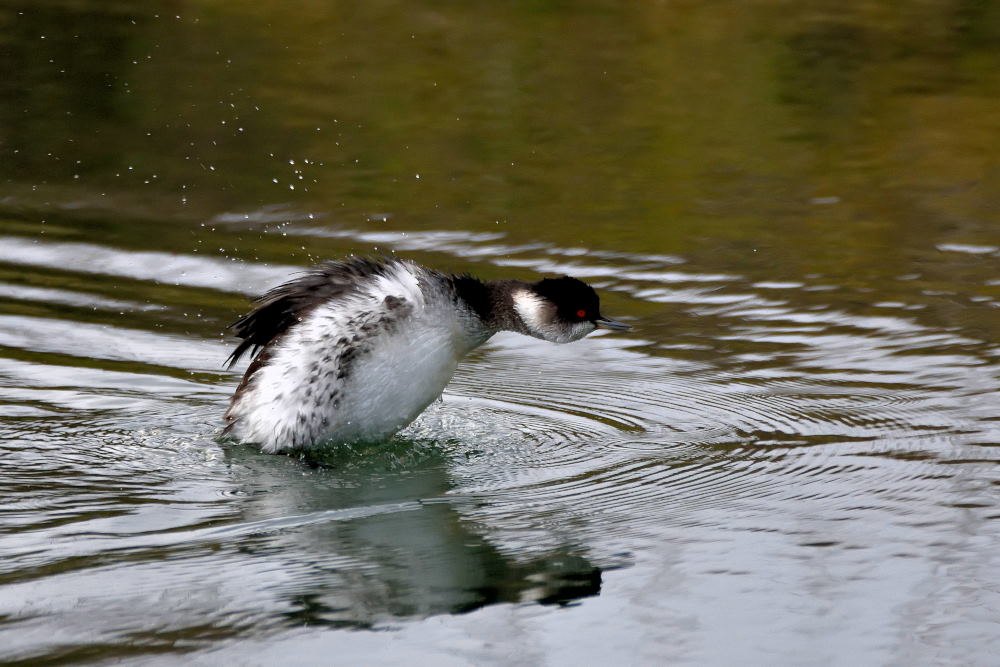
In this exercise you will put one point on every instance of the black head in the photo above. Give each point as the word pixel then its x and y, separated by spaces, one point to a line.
pixel 574 300
pixel 561 310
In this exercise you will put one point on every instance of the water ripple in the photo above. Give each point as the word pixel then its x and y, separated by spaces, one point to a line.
pixel 736 406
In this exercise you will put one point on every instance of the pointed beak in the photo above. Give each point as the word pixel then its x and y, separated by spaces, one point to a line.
pixel 606 323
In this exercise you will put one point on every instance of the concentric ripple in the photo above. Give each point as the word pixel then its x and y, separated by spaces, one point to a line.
pixel 737 407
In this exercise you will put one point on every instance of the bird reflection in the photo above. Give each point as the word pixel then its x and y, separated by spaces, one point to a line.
pixel 407 552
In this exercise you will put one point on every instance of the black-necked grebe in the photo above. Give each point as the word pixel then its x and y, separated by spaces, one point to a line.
pixel 355 350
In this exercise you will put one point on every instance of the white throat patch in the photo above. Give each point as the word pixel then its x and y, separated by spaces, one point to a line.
pixel 531 308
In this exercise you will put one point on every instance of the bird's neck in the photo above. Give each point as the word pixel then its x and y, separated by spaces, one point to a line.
pixel 503 315
pixel 492 302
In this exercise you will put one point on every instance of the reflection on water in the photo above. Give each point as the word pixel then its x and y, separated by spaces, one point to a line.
pixel 399 548
pixel 151 529
pixel 791 458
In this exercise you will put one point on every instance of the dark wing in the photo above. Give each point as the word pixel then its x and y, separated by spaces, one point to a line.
pixel 287 304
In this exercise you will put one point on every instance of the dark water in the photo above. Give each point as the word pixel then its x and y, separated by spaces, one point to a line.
pixel 791 459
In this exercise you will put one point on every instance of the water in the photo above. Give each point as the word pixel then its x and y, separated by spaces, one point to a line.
pixel 791 458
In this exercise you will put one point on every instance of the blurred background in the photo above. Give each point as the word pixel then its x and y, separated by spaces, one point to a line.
pixel 791 459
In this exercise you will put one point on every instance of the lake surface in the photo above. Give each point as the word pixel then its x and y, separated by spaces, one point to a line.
pixel 793 458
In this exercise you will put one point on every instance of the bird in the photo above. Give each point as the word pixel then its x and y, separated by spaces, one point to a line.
pixel 354 350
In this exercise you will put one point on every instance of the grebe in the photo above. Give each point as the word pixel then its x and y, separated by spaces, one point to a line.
pixel 354 350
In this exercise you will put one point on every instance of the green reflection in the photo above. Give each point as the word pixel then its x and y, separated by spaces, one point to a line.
pixel 645 124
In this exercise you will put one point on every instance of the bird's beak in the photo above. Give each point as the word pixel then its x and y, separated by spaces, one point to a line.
pixel 611 324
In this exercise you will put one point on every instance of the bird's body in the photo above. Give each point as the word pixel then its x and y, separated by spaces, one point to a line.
pixel 356 350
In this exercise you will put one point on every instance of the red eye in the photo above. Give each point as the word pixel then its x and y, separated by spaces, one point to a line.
pixel 581 314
